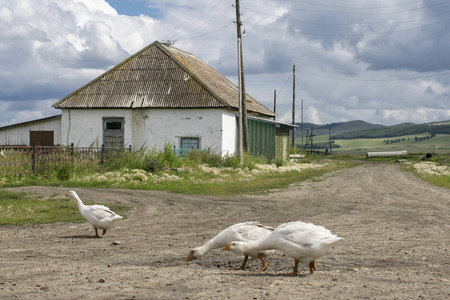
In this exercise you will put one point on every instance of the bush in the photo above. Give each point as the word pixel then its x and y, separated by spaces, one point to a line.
pixel 64 171
pixel 124 159
pixel 155 161
pixel 196 157
pixel 152 165
pixel 169 158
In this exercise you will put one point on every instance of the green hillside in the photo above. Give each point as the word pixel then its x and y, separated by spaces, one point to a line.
pixel 360 137
pixel 336 128
pixel 395 131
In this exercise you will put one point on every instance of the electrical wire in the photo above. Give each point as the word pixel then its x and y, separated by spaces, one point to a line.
pixel 206 34
pixel 187 27
pixel 376 80
pixel 349 33
pixel 207 24
pixel 349 12
pixel 350 7
pixel 344 24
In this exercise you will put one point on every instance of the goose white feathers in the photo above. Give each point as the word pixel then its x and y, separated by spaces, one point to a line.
pixel 304 242
pixel 246 231
pixel 100 216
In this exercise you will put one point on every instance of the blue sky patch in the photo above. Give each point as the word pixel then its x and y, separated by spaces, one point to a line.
pixel 133 8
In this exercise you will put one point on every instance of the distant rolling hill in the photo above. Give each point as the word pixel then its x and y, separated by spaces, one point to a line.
pixel 360 136
pixel 336 128
pixel 361 129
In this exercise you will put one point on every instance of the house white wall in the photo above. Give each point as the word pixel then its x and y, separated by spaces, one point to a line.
pixel 230 133
pixel 153 128
pixel 19 134
pixel 84 127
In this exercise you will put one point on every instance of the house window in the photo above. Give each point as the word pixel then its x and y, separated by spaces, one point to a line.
pixel 113 132
pixel 190 143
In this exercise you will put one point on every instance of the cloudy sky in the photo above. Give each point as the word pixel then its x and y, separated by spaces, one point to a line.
pixel 381 61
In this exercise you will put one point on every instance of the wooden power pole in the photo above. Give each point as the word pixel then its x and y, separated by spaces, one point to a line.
pixel 242 101
pixel 293 108
pixel 301 128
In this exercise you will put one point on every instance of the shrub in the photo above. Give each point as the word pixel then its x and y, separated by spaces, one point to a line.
pixel 152 165
pixel 280 163
pixel 155 161
pixel 120 159
pixel 196 157
pixel 64 171
pixel 169 158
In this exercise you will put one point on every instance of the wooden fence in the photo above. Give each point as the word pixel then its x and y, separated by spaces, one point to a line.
pixel 32 160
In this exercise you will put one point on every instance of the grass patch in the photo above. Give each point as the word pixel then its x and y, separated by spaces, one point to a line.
pixel 18 209
pixel 438 144
pixel 441 181
pixel 201 180
pixel 434 170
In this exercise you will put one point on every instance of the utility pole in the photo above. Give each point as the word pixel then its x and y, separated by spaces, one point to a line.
pixel 301 127
pixel 242 101
pixel 293 108
pixel 329 137
pixel 274 103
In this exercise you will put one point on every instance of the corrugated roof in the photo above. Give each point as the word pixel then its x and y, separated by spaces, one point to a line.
pixel 160 76
pixel 37 121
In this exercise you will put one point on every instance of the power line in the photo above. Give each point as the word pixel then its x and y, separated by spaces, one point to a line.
pixel 351 7
pixel 208 23
pixel 345 24
pixel 206 34
pixel 351 33
pixel 349 12
pixel 187 27
pixel 377 80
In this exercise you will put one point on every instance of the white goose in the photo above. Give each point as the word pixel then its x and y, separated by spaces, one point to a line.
pixel 247 231
pixel 100 216
pixel 304 242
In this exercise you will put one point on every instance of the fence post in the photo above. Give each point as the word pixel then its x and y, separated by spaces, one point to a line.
pixel 33 160
pixel 103 153
pixel 71 154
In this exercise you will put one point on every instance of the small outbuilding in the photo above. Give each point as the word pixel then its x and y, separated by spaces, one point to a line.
pixel 40 132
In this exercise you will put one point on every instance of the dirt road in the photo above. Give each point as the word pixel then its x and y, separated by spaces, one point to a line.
pixel 396 231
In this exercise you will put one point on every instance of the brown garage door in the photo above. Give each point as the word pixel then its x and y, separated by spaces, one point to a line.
pixel 41 138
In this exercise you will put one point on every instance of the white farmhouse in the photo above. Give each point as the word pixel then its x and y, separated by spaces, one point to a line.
pixel 159 95
pixel 162 95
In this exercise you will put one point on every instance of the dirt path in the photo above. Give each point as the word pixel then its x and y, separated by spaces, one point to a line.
pixel 396 245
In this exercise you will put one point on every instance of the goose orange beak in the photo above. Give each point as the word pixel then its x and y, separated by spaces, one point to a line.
pixel 190 257
pixel 227 247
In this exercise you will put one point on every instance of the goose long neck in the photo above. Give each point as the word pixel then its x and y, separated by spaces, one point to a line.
pixel 209 246
pixel 79 202
pixel 260 244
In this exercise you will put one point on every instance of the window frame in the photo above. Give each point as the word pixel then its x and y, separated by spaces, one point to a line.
pixel 198 140
pixel 106 137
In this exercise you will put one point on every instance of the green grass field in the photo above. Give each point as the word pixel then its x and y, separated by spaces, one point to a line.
pixel 441 141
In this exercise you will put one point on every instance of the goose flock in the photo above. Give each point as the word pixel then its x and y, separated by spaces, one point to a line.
pixel 304 242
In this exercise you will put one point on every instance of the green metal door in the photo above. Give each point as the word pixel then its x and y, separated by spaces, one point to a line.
pixel 261 137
